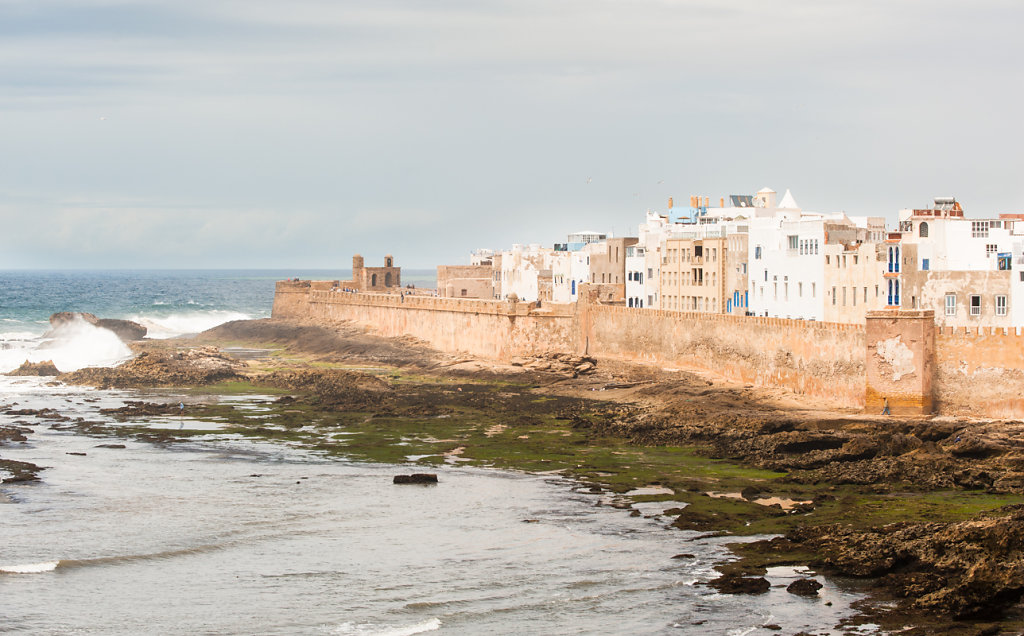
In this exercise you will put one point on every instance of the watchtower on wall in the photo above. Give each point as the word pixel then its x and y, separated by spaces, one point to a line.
pixel 374 279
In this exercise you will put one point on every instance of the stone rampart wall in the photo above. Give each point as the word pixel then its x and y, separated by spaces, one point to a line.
pixel 820 359
pixel 976 372
pixel 490 328
pixel 980 371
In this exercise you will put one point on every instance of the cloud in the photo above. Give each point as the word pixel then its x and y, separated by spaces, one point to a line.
pixel 232 131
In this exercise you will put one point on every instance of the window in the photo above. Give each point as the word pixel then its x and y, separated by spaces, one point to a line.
pixel 757 251
pixel 826 259
pixel 924 264
pixel 975 305
pixel 800 290
pixel 950 304
pixel 1000 305
pixel 814 290
pixel 793 240
pixel 833 295
pixel 979 229
pixel 991 249
pixel 922 230
pixel 894 292
pixel 894 259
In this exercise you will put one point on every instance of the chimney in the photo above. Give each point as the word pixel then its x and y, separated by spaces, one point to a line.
pixel 670 203
pixel 721 202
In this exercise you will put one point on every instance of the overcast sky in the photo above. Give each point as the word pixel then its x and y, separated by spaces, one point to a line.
pixel 261 133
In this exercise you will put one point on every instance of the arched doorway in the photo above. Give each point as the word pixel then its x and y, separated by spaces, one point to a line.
pixel 373 280
pixel 387 279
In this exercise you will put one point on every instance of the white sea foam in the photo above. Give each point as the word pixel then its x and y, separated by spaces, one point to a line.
pixel 18 335
pixel 366 629
pixel 71 346
pixel 184 323
pixel 30 568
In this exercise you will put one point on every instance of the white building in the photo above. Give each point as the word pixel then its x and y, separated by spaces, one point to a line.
pixel 969 271
pixel 636 277
pixel 526 271
pixel 813 266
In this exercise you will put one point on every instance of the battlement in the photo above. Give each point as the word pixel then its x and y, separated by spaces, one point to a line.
pixel 763 321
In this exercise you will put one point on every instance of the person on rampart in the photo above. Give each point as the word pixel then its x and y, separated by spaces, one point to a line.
pixel 885 407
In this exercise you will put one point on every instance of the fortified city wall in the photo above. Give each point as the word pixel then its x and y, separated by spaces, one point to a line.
pixel 980 371
pixel 919 368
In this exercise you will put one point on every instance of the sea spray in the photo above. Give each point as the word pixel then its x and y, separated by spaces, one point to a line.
pixel 71 346
pixel 177 324
pixel 29 568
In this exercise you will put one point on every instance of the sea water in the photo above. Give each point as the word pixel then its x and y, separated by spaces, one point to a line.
pixel 224 535
pixel 167 302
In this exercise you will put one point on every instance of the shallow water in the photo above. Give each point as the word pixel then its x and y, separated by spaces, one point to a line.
pixel 222 535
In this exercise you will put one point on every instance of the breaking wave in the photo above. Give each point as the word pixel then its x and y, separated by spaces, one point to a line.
pixel 364 629
pixel 70 346
pixel 30 568
pixel 178 324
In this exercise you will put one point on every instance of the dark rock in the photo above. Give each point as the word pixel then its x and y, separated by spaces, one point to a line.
pixel 739 584
pixel 751 492
pixel 195 367
pixel 416 478
pixel 65 317
pixel 110 446
pixel 20 471
pixel 684 556
pixel 79 454
pixel 126 330
pixel 36 369
pixel 773 627
pixel 13 434
pixel 134 408
pixel 804 587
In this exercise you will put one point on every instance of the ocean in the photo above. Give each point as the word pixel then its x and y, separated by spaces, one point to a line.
pixel 224 535
pixel 168 303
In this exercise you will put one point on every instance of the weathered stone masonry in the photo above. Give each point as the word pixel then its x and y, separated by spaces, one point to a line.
pixel 981 374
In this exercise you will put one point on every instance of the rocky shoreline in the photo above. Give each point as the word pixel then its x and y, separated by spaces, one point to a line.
pixel 930 511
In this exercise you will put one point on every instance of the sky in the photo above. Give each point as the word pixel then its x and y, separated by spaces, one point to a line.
pixel 268 134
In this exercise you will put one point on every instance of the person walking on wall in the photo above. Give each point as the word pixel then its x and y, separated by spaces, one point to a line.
pixel 885 406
